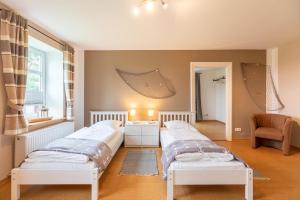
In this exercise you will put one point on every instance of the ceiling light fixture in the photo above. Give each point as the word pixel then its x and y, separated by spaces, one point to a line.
pixel 149 6
pixel 164 4
pixel 136 11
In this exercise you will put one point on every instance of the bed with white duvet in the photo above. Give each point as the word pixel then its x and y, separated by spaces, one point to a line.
pixel 198 168
pixel 113 137
pixel 196 160
pixel 57 165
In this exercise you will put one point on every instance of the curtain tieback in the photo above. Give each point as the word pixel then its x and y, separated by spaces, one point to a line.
pixel 14 106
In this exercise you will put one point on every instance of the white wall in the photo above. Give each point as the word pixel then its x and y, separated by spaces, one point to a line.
pixel 289 84
pixel 79 89
pixel 272 63
pixel 213 95
pixel 221 102
pixel 208 95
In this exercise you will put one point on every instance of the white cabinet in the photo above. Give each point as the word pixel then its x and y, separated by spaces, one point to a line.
pixel 133 140
pixel 149 140
pixel 142 133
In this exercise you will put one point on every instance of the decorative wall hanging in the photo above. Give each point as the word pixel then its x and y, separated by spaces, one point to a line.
pixel 150 84
pixel 260 85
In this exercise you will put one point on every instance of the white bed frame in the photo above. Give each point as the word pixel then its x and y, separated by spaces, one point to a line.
pixel 204 176
pixel 64 177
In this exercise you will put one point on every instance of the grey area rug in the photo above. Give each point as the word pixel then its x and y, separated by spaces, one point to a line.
pixel 140 163
pixel 259 176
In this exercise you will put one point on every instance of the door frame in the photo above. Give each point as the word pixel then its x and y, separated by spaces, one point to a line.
pixel 228 109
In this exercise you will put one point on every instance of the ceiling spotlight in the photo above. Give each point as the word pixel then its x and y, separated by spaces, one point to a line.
pixel 136 11
pixel 164 4
pixel 149 5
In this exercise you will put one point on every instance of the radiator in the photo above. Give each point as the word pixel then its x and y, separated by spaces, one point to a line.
pixel 28 142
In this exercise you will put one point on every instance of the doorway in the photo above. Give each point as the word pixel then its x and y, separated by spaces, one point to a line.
pixel 211 89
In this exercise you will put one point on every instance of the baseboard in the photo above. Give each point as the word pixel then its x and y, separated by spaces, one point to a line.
pixel 221 122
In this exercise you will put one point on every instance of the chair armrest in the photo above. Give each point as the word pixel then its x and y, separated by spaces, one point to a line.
pixel 253 124
pixel 287 128
pixel 287 136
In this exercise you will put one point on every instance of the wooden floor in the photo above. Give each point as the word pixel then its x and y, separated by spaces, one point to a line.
pixel 213 129
pixel 283 171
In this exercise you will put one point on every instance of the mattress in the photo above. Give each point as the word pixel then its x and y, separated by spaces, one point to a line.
pixel 113 142
pixel 167 137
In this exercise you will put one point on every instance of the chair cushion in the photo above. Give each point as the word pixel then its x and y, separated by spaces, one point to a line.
pixel 269 133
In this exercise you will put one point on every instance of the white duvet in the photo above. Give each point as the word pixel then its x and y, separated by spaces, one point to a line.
pixel 169 136
pixel 103 134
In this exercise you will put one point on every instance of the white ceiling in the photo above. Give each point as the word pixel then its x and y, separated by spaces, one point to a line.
pixel 42 45
pixel 186 24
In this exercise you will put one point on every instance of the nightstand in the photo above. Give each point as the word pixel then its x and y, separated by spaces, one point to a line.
pixel 142 133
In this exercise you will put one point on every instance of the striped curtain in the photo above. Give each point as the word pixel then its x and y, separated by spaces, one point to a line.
pixel 14 52
pixel 69 80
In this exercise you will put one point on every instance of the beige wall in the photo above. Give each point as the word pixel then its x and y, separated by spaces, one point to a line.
pixel 289 83
pixel 104 90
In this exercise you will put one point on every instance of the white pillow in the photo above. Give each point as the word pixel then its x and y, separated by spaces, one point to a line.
pixel 177 124
pixel 115 124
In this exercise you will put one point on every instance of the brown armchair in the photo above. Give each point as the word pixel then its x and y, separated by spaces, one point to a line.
pixel 271 130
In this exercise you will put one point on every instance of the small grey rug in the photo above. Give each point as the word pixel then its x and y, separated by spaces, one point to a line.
pixel 259 176
pixel 140 163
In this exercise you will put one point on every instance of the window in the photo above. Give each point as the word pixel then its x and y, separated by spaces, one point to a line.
pixel 35 89
pixel 44 87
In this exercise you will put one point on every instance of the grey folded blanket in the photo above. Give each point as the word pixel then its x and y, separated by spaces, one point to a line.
pixel 189 146
pixel 99 152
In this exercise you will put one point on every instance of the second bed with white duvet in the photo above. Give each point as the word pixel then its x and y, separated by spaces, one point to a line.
pixel 195 160
pixel 190 158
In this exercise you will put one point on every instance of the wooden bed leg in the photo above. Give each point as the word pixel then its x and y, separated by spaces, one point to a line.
pixel 249 185
pixel 15 188
pixel 95 186
pixel 170 185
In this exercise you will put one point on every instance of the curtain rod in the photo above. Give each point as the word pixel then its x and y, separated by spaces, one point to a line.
pixel 55 40
pixel 46 35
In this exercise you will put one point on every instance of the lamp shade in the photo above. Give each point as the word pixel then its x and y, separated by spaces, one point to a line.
pixel 150 112
pixel 132 112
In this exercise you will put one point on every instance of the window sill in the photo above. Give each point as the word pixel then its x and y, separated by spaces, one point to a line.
pixel 39 125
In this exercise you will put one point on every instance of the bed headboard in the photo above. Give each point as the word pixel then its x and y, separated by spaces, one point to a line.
pixel 97 116
pixel 175 115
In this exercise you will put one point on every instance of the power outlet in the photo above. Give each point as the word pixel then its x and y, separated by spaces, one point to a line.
pixel 238 129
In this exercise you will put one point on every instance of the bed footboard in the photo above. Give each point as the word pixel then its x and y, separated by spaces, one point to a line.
pixel 210 177
pixel 54 177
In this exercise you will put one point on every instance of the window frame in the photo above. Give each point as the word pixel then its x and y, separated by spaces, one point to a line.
pixel 42 74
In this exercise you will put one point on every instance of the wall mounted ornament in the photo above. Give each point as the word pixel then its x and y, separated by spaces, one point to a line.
pixel 150 84
pixel 260 85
